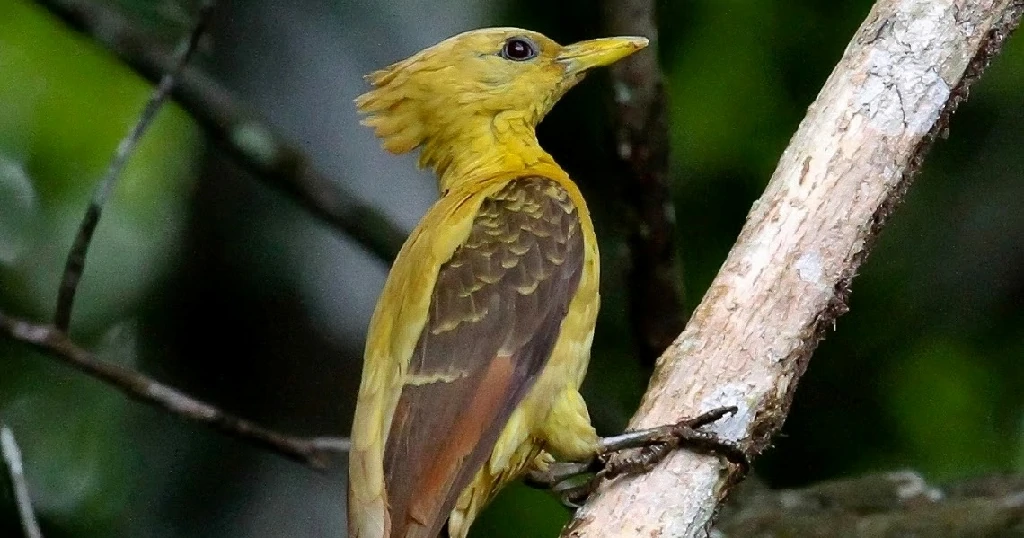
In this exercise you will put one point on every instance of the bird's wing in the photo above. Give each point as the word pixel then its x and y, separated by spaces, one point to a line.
pixel 494 316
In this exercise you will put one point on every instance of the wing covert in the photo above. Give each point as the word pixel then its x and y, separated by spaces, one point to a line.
pixel 494 317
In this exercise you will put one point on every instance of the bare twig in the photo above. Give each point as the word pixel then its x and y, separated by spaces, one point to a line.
pixel 246 137
pixel 75 264
pixel 788 277
pixel 16 472
pixel 655 280
pixel 314 452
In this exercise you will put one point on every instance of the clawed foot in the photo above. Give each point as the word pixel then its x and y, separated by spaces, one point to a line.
pixel 574 482
pixel 655 444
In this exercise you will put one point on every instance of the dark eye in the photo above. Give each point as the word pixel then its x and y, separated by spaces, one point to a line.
pixel 518 49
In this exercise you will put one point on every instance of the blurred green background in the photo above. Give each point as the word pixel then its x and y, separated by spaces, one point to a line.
pixel 203 277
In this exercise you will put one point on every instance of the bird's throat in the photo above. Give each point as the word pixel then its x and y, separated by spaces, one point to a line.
pixel 480 149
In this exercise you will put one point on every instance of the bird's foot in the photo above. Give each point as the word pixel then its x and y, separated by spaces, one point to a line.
pixel 636 452
pixel 571 482
pixel 654 444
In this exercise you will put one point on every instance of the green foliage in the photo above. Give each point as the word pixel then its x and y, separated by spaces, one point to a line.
pixel 958 436
pixel 533 512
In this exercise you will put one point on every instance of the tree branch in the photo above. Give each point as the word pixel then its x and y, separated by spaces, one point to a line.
pixel 75 264
pixel 655 278
pixel 883 505
pixel 314 452
pixel 53 340
pixel 15 471
pixel 245 137
pixel 788 277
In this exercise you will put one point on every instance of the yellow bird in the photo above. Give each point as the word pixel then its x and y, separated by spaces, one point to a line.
pixel 481 337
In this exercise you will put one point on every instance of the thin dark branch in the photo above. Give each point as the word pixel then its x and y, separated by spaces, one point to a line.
pixel 247 138
pixel 75 264
pixel 655 279
pixel 314 452
pixel 16 472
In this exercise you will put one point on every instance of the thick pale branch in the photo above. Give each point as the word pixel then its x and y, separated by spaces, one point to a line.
pixel 247 138
pixel 788 276
pixel 315 452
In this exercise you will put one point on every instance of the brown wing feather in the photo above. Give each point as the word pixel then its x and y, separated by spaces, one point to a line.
pixel 494 317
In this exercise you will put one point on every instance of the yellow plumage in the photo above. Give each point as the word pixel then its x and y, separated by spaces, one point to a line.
pixel 481 337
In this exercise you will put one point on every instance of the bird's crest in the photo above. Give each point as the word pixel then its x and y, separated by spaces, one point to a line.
pixel 392 108
pixel 436 92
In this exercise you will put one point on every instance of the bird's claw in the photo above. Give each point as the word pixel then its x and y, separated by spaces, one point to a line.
pixel 571 482
pixel 649 447
pixel 655 444
pixel 573 495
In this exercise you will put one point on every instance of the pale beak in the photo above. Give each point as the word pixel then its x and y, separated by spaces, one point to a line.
pixel 581 56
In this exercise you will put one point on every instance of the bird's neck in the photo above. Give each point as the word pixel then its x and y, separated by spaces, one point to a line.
pixel 483 146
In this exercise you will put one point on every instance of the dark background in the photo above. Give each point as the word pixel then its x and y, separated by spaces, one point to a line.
pixel 203 277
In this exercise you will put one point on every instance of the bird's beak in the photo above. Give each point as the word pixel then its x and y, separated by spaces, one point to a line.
pixel 581 56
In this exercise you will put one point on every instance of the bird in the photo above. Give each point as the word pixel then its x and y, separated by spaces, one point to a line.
pixel 480 340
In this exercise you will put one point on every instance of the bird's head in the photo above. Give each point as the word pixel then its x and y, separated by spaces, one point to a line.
pixel 486 77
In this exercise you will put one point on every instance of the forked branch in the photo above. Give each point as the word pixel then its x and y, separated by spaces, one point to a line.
pixel 53 339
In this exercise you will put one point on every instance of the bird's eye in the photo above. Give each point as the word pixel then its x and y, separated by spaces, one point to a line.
pixel 518 49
